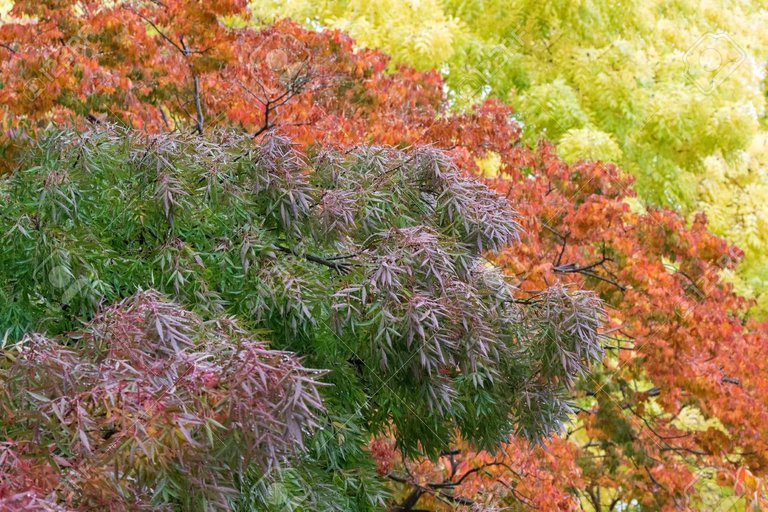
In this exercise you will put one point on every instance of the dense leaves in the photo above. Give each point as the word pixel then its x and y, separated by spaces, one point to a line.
pixel 672 397
pixel 368 261
pixel 120 61
pixel 148 403
pixel 673 92
pixel 674 419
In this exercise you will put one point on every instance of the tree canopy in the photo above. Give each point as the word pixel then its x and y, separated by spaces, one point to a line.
pixel 309 147
pixel 367 262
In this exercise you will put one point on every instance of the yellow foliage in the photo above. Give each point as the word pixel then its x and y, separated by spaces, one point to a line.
pixel 416 31
pixel 588 144
pixel 489 165
pixel 691 419
pixel 5 7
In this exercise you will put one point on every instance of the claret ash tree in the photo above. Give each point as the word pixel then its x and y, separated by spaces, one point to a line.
pixel 366 262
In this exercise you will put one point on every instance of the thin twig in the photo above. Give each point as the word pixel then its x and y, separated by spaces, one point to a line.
pixel 340 267
pixel 8 47
pixel 157 29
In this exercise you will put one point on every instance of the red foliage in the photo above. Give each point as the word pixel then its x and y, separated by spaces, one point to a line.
pixel 147 397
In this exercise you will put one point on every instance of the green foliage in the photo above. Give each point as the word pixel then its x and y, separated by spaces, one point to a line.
pixel 366 261
pixel 335 474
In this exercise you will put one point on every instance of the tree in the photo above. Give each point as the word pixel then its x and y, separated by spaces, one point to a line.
pixel 80 62
pixel 675 94
pixel 672 395
pixel 674 418
pixel 616 454
pixel 366 261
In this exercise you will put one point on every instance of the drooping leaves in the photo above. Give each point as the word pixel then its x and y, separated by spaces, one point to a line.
pixel 148 404
pixel 370 262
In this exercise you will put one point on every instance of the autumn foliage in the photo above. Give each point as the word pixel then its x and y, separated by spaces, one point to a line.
pixel 150 402
pixel 678 407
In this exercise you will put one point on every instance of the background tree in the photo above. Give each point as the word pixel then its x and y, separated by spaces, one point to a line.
pixel 673 419
pixel 667 400
pixel 68 63
pixel 675 94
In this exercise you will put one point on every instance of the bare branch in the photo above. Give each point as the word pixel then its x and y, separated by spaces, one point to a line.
pixel 157 29
pixel 8 47
pixel 198 105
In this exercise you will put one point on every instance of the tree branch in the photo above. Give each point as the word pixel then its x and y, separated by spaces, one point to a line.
pixel 340 267
pixel 586 270
pixel 185 51
pixel 157 29
pixel 198 105
pixel 196 88
pixel 410 501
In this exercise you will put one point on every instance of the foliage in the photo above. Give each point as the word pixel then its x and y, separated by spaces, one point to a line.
pixel 148 404
pixel 365 261
pixel 682 345
pixel 81 66
pixel 675 414
pixel 674 92
pixel 675 418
